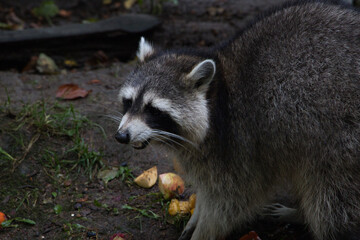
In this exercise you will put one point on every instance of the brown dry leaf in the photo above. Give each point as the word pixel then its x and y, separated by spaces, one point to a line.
pixel 84 199
pixel 31 64
pixel 94 81
pixel 71 91
pixel 14 22
pixel 65 13
pixel 250 236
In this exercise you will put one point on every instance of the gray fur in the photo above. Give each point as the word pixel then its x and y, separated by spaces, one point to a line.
pixel 284 106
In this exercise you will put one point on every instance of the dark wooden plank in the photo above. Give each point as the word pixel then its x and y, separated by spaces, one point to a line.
pixel 117 37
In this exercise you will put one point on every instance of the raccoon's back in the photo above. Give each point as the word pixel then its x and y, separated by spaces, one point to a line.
pixel 295 77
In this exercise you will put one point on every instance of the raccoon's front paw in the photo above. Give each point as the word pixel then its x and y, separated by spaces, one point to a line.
pixel 281 213
pixel 191 225
pixel 187 233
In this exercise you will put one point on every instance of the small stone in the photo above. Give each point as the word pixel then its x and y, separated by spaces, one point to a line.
pixel 91 234
pixel 124 164
pixel 46 65
pixel 77 206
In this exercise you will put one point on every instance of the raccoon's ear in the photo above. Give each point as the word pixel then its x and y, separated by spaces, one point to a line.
pixel 145 49
pixel 202 74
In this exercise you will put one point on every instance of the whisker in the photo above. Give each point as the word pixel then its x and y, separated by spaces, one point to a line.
pixel 171 140
pixel 157 137
pixel 114 118
pixel 175 136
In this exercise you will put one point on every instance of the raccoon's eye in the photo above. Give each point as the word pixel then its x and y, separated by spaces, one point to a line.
pixel 152 110
pixel 127 104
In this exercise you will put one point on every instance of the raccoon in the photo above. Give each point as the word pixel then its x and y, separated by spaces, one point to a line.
pixel 280 102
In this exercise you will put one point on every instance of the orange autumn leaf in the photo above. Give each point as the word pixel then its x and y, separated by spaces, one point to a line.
pixel 250 236
pixel 2 217
pixel 71 91
pixel 65 13
pixel 94 81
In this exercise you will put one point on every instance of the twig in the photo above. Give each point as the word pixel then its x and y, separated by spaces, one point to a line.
pixel 27 150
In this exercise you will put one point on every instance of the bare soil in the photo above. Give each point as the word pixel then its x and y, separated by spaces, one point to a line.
pixel 27 191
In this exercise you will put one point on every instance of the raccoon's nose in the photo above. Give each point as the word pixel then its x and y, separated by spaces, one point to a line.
pixel 122 137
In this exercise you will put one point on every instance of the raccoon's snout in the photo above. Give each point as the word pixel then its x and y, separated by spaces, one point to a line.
pixel 122 137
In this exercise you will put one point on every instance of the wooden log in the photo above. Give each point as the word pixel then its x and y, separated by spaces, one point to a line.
pixel 117 37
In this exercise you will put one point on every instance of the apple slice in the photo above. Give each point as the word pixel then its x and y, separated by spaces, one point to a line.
pixel 170 185
pixel 178 207
pixel 148 178
pixel 192 200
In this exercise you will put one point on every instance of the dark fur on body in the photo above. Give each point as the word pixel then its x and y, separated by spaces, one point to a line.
pixel 284 105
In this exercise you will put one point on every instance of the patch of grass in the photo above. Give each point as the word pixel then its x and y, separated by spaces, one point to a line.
pixel 51 119
pixel 85 159
pixel 5 156
pixel 152 199
pixel 144 212
pixel 8 223
pixel 46 122
pixel 125 174
pixel 156 6
pixel 74 230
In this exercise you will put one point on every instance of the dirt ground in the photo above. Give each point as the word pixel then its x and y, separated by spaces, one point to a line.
pixel 36 184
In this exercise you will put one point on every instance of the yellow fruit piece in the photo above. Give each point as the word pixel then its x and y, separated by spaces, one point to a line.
pixel 174 207
pixel 184 207
pixel 148 178
pixel 192 201
pixel 170 185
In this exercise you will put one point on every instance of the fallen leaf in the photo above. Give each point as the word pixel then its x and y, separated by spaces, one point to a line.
pixel 106 2
pixel 99 57
pixel 2 217
pixel 70 63
pixel 65 13
pixel 67 183
pixel 71 91
pixel 118 236
pixel 11 17
pixel 108 175
pixel 129 3
pixel 94 81
pixel 117 5
pixel 148 178
pixel 250 236
pixel 31 64
pixel 84 199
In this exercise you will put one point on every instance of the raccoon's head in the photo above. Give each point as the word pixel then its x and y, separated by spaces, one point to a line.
pixel 164 99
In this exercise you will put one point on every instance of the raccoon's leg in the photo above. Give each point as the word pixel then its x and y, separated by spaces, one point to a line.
pixel 191 225
pixel 353 235
pixel 331 207
pixel 220 215
pixel 203 225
